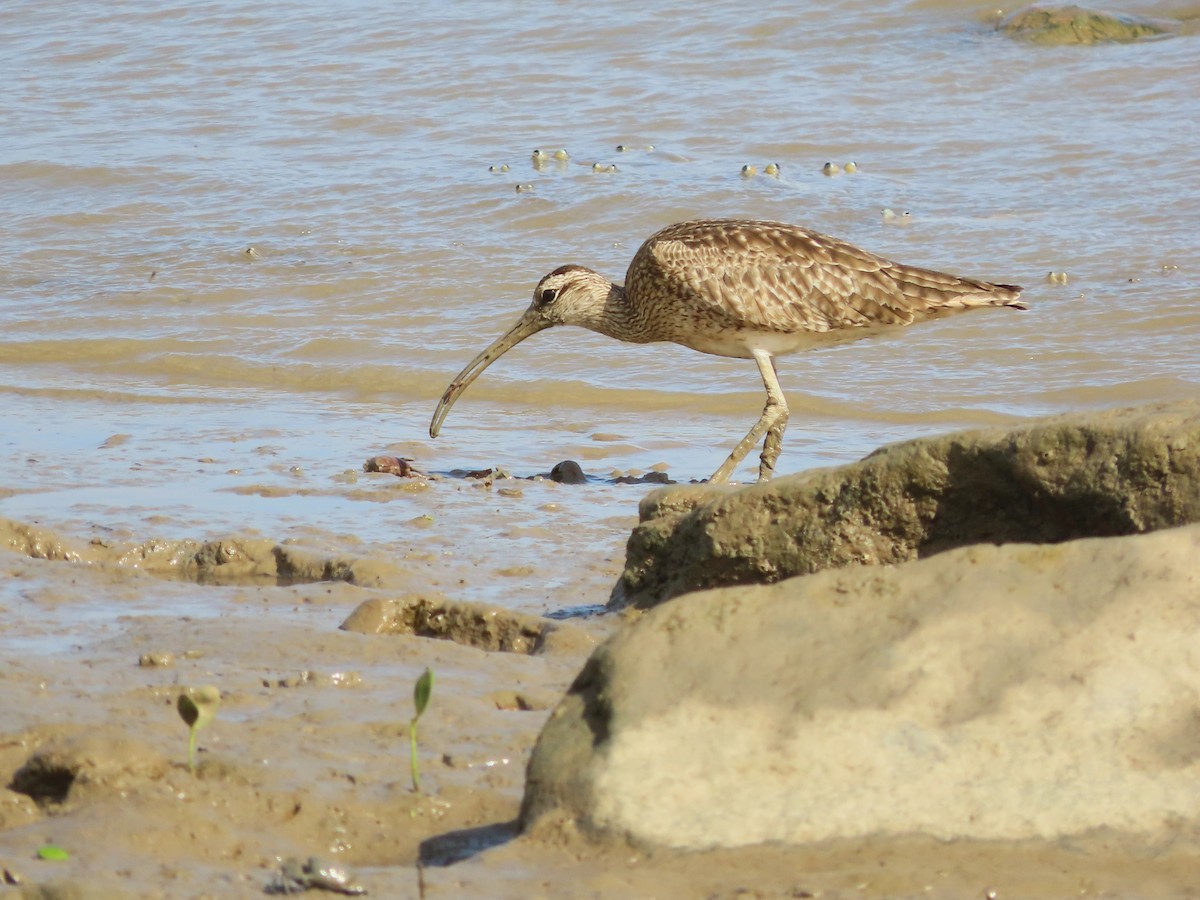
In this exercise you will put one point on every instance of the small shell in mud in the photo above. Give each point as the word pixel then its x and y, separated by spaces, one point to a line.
pixel 295 877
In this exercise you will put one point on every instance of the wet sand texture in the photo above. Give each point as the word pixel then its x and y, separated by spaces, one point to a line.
pixel 1017 718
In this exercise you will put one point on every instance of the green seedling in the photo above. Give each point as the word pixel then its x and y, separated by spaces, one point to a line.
pixel 52 853
pixel 421 691
pixel 197 707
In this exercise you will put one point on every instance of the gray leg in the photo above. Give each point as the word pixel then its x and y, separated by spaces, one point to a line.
pixel 774 442
pixel 772 422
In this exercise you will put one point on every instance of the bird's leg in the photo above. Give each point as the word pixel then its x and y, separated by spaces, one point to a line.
pixel 772 423
pixel 774 442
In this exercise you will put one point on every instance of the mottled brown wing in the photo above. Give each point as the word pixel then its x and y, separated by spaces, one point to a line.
pixel 783 278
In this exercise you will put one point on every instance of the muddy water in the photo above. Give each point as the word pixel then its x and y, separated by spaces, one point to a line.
pixel 268 236
pixel 246 247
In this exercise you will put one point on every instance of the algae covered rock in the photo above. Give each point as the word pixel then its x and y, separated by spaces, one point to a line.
pixel 1092 475
pixel 1057 25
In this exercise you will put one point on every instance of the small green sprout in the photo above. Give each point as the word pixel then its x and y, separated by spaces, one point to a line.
pixel 52 853
pixel 197 707
pixel 421 691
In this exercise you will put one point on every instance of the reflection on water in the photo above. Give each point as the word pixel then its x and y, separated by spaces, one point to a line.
pixel 224 218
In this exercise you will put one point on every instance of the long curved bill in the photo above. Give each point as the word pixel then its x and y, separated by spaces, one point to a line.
pixel 530 323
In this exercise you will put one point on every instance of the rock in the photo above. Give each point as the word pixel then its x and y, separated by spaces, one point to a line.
pixel 1078 25
pixel 400 466
pixel 1102 474
pixel 473 624
pixel 989 693
pixel 568 472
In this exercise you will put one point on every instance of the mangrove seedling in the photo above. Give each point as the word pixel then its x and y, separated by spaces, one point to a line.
pixel 52 853
pixel 197 707
pixel 421 691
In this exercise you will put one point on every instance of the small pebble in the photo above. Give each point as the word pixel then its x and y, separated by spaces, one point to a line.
pixel 635 477
pixel 311 678
pixel 156 660
pixel 391 465
pixel 482 474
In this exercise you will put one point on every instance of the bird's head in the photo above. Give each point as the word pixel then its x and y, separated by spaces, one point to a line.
pixel 570 295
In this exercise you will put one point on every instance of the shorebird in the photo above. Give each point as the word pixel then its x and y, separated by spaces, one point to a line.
pixel 744 289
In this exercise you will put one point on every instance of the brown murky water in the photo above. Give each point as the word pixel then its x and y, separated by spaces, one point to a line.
pixel 246 247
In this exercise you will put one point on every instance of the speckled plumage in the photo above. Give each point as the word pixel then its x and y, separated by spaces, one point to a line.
pixel 740 288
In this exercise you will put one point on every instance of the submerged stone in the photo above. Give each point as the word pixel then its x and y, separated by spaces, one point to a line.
pixel 1080 25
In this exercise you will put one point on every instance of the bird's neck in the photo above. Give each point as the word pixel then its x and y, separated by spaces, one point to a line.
pixel 616 318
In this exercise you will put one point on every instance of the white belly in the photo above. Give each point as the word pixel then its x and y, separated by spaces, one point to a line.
pixel 741 344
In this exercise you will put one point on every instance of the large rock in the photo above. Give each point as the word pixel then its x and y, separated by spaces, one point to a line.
pixel 994 693
pixel 1101 474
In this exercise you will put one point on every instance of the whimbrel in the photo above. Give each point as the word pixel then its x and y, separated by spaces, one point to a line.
pixel 739 288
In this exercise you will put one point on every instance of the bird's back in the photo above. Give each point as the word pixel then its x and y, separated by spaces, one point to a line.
pixel 777 282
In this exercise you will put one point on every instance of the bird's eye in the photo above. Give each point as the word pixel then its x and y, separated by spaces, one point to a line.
pixel 548 295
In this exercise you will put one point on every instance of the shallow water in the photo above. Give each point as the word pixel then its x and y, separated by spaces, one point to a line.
pixel 257 242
